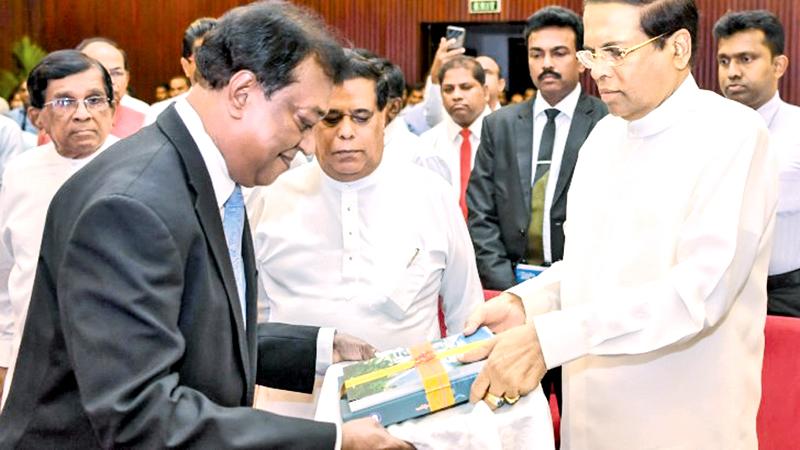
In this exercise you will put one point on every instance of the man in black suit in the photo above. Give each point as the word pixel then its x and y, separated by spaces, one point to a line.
pixel 517 193
pixel 136 336
pixel 505 193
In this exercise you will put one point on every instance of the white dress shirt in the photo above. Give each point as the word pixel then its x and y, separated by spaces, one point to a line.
pixel 158 107
pixel 30 182
pixel 444 141
pixel 566 108
pixel 783 120
pixel 134 104
pixel 657 310
pixel 11 142
pixel 370 257
pixel 399 141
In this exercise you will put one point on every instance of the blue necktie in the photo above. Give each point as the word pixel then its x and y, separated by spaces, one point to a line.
pixel 233 224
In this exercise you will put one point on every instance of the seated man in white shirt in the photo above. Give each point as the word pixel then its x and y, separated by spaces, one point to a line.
pixel 380 242
pixel 751 61
pixel 455 140
pixel 72 100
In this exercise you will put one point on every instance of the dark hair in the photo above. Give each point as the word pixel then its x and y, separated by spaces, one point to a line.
pixel 394 77
pixel 88 41
pixel 556 16
pixel 664 17
pixel 464 62
pixel 61 64
pixel 418 86
pixel 269 39
pixel 357 66
pixel 195 31
pixel 759 19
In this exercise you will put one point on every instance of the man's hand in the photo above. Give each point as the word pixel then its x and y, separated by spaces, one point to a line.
pixel 514 368
pixel 368 434
pixel 350 348
pixel 499 314
pixel 442 56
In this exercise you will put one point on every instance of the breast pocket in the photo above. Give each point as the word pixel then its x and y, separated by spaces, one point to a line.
pixel 408 279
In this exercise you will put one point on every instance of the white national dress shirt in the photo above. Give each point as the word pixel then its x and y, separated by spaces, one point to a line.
pixel 444 141
pixel 369 257
pixel 563 121
pixel 783 120
pixel 30 182
pixel 657 310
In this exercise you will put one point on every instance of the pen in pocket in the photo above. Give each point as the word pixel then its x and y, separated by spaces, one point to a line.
pixel 413 257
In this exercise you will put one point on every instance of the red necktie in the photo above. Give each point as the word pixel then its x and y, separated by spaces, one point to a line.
pixel 466 168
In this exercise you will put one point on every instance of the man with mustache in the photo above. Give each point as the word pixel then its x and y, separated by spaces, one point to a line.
pixel 455 139
pixel 72 101
pixel 751 61
pixel 517 194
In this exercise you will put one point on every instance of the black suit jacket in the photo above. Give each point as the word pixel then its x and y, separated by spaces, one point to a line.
pixel 135 336
pixel 499 191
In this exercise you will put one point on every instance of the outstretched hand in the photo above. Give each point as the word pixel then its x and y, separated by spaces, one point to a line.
pixel 350 348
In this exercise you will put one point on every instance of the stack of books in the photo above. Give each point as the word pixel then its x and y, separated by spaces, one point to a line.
pixel 404 383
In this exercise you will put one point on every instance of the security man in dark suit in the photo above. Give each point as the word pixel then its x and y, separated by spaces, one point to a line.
pixel 517 194
pixel 141 331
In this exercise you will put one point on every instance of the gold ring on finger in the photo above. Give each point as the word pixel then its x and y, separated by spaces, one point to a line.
pixel 493 400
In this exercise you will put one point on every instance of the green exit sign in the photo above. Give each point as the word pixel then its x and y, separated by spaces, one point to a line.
pixel 484 6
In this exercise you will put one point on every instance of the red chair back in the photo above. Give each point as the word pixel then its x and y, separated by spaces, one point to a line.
pixel 778 421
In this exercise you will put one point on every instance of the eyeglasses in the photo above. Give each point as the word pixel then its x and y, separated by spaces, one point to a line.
pixel 610 56
pixel 359 117
pixel 68 105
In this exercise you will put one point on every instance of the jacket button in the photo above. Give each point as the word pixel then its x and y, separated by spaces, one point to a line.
pixel 558 224
pixel 522 232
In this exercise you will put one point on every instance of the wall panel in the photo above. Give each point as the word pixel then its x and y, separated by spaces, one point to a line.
pixel 151 30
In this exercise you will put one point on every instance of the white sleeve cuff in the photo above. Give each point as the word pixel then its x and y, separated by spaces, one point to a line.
pixel 324 349
pixel 338 445
pixel 5 353
pixel 561 336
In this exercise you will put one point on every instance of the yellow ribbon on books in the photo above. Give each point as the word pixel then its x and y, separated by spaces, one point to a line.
pixel 434 378
pixel 403 366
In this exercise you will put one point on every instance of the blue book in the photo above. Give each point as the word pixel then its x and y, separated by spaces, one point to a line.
pixel 524 272
pixel 400 395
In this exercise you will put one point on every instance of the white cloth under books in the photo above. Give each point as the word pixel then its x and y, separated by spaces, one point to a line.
pixel 783 120
pixel 31 180
pixel 525 425
pixel 370 257
pixel 657 311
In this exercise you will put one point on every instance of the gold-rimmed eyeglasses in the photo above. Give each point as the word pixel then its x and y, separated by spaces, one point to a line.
pixel 68 105
pixel 611 55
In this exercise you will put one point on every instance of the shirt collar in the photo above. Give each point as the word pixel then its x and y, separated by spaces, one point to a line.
pixel 357 185
pixel 565 106
pixel 453 129
pixel 215 163
pixel 672 109
pixel 769 109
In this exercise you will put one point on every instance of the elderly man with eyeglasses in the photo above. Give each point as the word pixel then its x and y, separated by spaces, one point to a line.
pixel 72 100
pixel 656 313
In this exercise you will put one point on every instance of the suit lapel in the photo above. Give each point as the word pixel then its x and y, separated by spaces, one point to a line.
pixel 208 215
pixel 578 131
pixel 522 137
